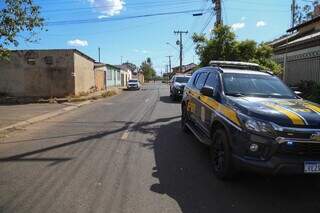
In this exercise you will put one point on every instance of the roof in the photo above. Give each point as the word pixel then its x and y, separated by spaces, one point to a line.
pixel 235 64
pixel 186 67
pixel 113 66
pixel 55 50
pixel 182 75
pixel 302 41
pixel 304 38
pixel 283 39
pixel 98 64
pixel 316 19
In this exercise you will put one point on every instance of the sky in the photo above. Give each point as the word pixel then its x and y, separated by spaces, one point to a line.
pixel 113 26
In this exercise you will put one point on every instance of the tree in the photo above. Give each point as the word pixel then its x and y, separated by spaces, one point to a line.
pixel 147 69
pixel 18 16
pixel 131 66
pixel 305 12
pixel 222 45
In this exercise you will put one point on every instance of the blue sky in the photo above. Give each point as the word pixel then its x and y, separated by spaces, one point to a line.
pixel 135 39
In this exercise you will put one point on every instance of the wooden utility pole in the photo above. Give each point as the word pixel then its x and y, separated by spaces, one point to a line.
pixel 99 54
pixel 218 11
pixel 169 63
pixel 181 46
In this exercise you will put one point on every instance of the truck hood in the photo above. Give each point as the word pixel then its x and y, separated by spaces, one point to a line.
pixel 284 112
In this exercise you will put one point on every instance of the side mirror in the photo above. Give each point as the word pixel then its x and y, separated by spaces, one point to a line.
pixel 208 91
pixel 297 92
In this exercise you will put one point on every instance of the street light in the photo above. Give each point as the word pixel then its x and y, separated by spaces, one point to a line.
pixel 172 46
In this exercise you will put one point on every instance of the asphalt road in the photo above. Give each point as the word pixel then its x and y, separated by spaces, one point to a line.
pixel 128 154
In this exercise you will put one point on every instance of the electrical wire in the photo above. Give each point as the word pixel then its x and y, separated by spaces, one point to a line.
pixel 97 20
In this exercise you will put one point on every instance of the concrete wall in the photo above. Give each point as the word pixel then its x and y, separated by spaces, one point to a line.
pixel 42 73
pixel 84 74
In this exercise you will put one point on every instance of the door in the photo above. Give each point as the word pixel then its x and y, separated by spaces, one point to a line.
pixel 206 113
pixel 199 83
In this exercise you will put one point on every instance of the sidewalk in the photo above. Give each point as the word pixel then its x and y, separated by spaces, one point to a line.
pixel 15 116
pixel 12 114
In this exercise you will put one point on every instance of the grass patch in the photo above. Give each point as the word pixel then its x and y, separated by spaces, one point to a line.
pixel 109 93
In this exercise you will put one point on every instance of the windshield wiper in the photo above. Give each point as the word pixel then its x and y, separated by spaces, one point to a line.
pixel 238 94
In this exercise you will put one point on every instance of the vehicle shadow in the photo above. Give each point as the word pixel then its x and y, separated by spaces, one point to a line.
pixel 183 170
pixel 169 100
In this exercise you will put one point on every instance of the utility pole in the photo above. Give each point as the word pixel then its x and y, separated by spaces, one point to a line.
pixel 218 11
pixel 293 13
pixel 169 63
pixel 99 54
pixel 181 46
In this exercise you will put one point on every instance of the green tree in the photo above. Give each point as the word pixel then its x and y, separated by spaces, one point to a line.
pixel 305 12
pixel 17 16
pixel 222 45
pixel 148 70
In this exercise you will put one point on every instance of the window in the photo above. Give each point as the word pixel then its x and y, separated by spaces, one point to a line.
pixel 201 80
pixel 182 79
pixel 118 76
pixel 255 85
pixel 213 80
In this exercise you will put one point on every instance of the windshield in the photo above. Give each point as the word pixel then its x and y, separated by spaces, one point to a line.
pixel 182 79
pixel 133 81
pixel 237 84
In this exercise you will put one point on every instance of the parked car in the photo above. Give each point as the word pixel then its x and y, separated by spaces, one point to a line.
pixel 177 84
pixel 133 84
pixel 251 121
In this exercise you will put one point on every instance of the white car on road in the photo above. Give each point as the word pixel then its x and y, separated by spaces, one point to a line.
pixel 133 84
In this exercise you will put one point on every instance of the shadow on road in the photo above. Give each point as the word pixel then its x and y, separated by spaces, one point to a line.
pixel 168 100
pixel 183 170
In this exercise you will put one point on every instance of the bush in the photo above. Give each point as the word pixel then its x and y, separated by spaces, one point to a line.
pixel 310 90
pixel 109 93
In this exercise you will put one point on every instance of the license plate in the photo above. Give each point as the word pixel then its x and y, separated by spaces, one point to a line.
pixel 312 167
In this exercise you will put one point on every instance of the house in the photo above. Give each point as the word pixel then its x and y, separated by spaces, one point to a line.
pixel 126 74
pixel 186 69
pixel 100 71
pixel 113 76
pixel 138 74
pixel 299 52
pixel 47 73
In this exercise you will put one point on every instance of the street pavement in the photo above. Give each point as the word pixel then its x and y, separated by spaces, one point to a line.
pixel 128 154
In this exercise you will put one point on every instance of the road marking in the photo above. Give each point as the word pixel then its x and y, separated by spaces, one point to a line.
pixel 125 135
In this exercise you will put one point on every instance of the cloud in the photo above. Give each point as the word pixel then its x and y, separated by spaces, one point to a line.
pixel 140 51
pixel 78 43
pixel 261 24
pixel 237 26
pixel 107 7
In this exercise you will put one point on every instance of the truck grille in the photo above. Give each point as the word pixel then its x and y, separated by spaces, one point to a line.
pixel 300 149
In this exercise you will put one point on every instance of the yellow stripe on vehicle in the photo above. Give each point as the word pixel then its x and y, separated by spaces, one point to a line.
pixel 226 111
pixel 312 107
pixel 294 117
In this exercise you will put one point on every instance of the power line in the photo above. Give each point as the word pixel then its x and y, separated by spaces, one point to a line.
pixel 137 5
pixel 96 20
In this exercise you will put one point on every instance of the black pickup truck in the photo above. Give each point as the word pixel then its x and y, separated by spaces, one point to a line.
pixel 251 121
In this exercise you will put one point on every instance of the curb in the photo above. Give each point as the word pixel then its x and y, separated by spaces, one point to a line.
pixel 43 117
